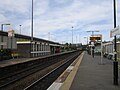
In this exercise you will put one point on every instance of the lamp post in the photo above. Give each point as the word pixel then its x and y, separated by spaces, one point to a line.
pixel 79 38
pixel 3 25
pixel 72 35
pixel 31 45
pixel 2 31
pixel 20 28
pixel 76 43
pixel 49 36
pixel 115 63
pixel 2 37
pixel 87 40
pixel 32 23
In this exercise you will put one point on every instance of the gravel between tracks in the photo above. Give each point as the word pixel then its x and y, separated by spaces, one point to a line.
pixel 28 80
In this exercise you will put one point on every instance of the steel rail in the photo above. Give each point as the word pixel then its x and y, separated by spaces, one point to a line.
pixel 45 76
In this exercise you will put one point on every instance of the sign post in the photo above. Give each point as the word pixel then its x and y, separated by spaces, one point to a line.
pixel 115 63
pixel 95 38
pixel 101 51
pixel 11 35
pixel 113 33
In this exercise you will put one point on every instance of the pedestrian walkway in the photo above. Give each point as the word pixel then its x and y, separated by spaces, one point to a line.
pixel 5 63
pixel 9 62
pixel 92 75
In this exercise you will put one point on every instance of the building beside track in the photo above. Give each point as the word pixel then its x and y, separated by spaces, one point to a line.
pixel 21 45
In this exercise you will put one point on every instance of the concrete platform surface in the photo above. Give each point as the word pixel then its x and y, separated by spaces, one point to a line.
pixel 92 75
pixel 9 62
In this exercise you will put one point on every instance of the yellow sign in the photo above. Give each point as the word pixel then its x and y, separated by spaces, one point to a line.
pixel 23 40
pixel 94 38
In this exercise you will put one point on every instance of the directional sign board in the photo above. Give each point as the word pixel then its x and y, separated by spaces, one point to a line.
pixel 115 31
pixel 95 37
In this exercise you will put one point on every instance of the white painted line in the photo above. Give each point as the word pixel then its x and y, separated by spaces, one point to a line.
pixel 67 83
pixel 55 86
pixel 69 69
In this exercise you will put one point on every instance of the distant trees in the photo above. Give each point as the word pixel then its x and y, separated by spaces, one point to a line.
pixel 69 46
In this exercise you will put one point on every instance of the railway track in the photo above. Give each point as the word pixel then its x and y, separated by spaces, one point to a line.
pixel 11 80
pixel 44 82
pixel 5 81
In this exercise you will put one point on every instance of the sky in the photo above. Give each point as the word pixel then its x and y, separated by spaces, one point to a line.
pixel 54 19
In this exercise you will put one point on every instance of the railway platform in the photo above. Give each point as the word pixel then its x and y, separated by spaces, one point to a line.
pixel 14 61
pixel 88 74
pixel 5 63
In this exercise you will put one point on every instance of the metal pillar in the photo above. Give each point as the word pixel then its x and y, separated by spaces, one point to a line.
pixel 2 36
pixel 72 35
pixel 40 49
pixel 20 28
pixel 31 45
pixel 115 63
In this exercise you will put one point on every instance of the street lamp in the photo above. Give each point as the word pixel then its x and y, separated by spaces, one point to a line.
pixel 31 45
pixel 32 23
pixel 2 31
pixel 20 28
pixel 76 40
pixel 3 25
pixel 115 62
pixel 72 35
pixel 87 39
pixel 2 36
pixel 79 38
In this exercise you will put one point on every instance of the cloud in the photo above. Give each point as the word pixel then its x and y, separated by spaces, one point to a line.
pixel 58 16
pixel 2 18
pixel 40 7
pixel 15 6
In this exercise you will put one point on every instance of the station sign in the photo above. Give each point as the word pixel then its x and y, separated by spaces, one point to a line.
pixel 11 33
pixel 115 31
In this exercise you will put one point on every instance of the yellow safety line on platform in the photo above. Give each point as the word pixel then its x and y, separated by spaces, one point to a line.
pixel 118 58
pixel 66 85
pixel 118 66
